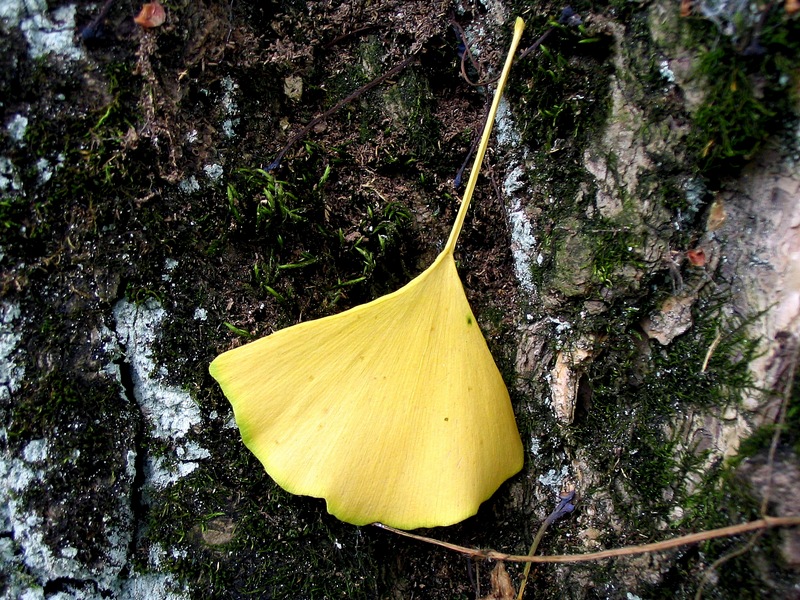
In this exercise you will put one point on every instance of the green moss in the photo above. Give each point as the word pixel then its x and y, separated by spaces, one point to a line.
pixel 635 390
pixel 263 205
pixel 88 429
pixel 574 259
pixel 732 122
pixel 761 438
pixel 750 90
pixel 560 95
pixel 92 162
pixel 562 90
pixel 633 400
pixel 617 264
pixel 409 103
pixel 639 390
pixel 46 403
pixel 723 499
pixel 599 260
pixel 310 555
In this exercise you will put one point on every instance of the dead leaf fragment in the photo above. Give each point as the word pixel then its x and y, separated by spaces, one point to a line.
pixel 502 588
pixel 151 15
pixel 716 215
pixel 672 319
pixel 219 531
pixel 293 87
pixel 697 257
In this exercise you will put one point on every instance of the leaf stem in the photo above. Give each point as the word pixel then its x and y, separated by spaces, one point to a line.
pixel 519 27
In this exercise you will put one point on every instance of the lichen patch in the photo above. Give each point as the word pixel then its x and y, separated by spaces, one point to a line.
pixel 11 369
pixel 52 34
pixel 169 411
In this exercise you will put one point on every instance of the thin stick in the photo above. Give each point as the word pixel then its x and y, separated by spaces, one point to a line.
pixel 710 352
pixel 684 540
pixel 564 507
pixel 773 447
pixel 459 176
pixel 781 422
pixel 335 108
pixel 526 572
pixel 706 577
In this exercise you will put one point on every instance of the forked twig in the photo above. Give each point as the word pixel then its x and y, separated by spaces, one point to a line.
pixel 564 507
pixel 567 16
pixel 791 370
pixel 706 576
pixel 684 540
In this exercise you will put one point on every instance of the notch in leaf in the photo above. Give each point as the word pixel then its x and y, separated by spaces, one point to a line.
pixel 393 411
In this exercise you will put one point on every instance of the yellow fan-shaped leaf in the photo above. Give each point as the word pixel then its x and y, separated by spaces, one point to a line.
pixel 393 411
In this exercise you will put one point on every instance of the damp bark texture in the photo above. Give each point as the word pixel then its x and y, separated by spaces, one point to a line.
pixel 631 256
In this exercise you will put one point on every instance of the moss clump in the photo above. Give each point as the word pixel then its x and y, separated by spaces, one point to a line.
pixel 751 88
pixel 563 87
pixel 309 555
pixel 634 399
pixel 409 103
pixel 761 439
pixel 658 481
pixel 574 260
pixel 724 498
pixel 291 232
pixel 263 207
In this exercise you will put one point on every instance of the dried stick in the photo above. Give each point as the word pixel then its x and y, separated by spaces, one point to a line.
pixel 706 577
pixel 564 507
pixel 684 540
pixel 335 108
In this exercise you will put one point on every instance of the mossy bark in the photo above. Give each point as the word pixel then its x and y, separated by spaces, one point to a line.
pixel 639 211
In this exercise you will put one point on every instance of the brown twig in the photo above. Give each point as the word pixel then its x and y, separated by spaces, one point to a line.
pixel 781 421
pixel 536 44
pixel 94 28
pixel 335 108
pixel 710 351
pixel 564 507
pixel 349 34
pixel 468 54
pixel 684 540
pixel 773 447
pixel 706 576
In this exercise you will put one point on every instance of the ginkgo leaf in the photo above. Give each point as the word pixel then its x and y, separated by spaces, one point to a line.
pixel 393 411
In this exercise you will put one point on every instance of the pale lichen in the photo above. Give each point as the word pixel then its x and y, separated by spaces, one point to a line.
pixel 11 369
pixel 169 411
